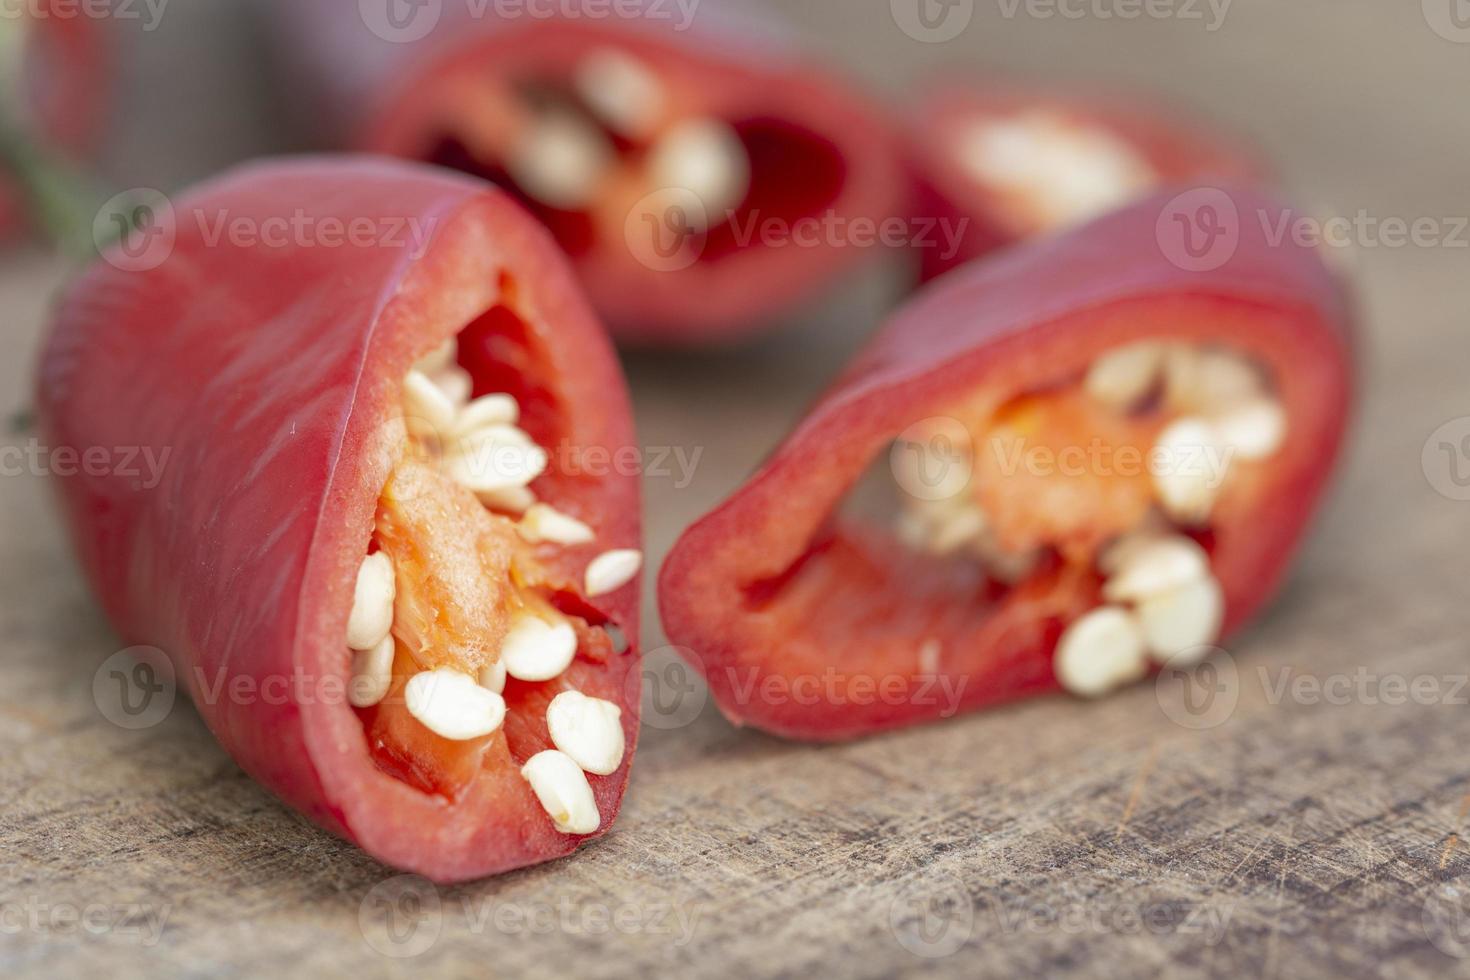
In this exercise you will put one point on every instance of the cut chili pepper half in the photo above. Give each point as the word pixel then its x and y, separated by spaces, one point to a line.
pixel 1094 453
pixel 385 550
pixel 53 63
pixel 681 170
pixel 1011 161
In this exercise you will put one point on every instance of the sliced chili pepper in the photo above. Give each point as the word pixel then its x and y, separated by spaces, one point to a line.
pixel 999 161
pixel 59 94
pixel 1097 459
pixel 375 388
pixel 672 165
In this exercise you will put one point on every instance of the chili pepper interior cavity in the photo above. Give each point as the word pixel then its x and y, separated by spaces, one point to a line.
pixel 1092 459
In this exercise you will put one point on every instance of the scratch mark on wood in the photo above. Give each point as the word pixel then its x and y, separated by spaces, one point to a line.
pixel 1449 845
pixel 1138 783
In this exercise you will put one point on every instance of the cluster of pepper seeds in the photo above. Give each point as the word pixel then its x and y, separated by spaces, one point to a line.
pixel 1061 171
pixel 479 445
pixel 565 153
pixel 1161 601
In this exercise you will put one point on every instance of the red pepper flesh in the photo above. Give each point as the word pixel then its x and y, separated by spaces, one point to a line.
pixel 265 352
pixel 817 151
pixel 1174 149
pixel 813 625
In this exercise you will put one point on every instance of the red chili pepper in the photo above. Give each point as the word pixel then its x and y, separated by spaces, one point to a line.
pixel 998 162
pixel 693 176
pixel 258 349
pixel 817 625
pixel 62 72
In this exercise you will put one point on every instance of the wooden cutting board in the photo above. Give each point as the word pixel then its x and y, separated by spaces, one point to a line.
pixel 1300 823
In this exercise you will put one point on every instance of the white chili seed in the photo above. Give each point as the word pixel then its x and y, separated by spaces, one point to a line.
pixel 544 523
pixel 1123 377
pixel 1256 430
pixel 1208 381
pixel 426 408
pixel 1100 652
pixel 612 570
pixel 705 157
pixel 1068 172
pixel 495 458
pixel 1188 466
pixel 372 603
pixel 452 705
pixel 622 91
pixel 487 411
pixel 508 500
pixel 1157 566
pixel 588 730
pixel 563 790
pixel 560 161
pixel 372 674
pixel 536 650
pixel 456 384
pixel 492 676
pixel 1182 619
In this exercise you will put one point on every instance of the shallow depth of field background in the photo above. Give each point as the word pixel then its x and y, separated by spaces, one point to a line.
pixel 1293 836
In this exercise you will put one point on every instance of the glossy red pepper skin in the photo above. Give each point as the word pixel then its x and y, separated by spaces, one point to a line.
pixel 389 98
pixel 1179 150
pixel 271 375
pixel 780 603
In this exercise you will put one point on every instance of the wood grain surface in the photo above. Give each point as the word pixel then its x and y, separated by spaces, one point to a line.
pixel 1302 817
